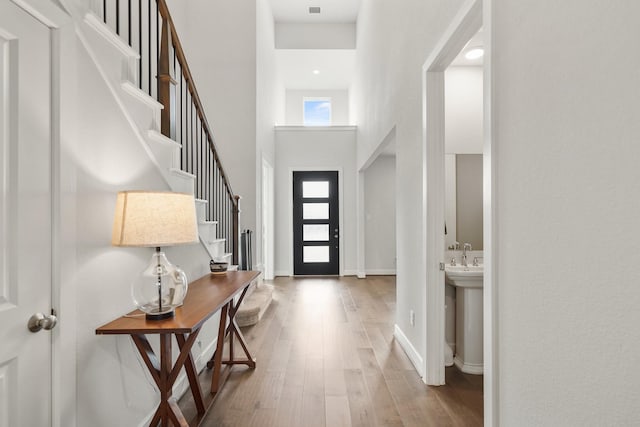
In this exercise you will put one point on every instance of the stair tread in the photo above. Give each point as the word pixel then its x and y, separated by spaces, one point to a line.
pixel 159 137
pixel 180 172
pixel 255 305
pixel 217 241
pixel 223 257
pixel 143 96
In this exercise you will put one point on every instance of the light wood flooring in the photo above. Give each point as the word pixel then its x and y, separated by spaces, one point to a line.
pixel 326 356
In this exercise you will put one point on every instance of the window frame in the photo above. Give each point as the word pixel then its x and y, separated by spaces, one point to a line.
pixel 306 99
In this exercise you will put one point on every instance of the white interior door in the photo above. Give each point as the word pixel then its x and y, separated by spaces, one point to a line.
pixel 25 217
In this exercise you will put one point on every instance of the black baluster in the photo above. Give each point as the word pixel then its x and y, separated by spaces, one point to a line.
pixel 193 137
pixel 198 144
pixel 118 17
pixel 189 139
pixel 149 43
pixel 157 58
pixel 140 44
pixel 201 161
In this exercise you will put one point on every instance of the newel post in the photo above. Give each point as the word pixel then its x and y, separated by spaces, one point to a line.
pixel 236 230
pixel 166 83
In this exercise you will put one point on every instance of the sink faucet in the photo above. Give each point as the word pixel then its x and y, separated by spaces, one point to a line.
pixel 466 247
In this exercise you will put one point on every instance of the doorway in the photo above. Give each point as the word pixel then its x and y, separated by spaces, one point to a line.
pixel 463 27
pixel 316 222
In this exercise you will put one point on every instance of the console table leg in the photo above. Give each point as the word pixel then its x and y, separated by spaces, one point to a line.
pixel 192 374
pixel 165 371
pixel 217 356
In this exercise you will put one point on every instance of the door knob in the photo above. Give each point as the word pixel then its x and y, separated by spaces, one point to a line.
pixel 42 321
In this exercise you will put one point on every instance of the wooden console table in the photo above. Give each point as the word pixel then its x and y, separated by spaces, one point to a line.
pixel 205 297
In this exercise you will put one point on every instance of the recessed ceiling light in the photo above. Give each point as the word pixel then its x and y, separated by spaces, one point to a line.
pixel 314 9
pixel 316 72
pixel 474 53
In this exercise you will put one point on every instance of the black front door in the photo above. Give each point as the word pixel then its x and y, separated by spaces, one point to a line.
pixel 315 223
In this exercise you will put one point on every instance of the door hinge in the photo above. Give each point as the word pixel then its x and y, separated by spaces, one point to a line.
pixel 442 266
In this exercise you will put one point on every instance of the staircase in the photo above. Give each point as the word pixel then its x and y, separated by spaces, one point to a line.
pixel 131 45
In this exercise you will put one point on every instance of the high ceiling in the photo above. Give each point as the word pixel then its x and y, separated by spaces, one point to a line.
pixel 334 68
pixel 330 10
pixel 316 69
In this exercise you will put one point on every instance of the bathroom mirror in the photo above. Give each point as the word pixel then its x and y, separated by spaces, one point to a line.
pixel 463 200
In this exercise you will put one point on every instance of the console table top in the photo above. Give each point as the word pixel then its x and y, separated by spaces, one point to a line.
pixel 205 296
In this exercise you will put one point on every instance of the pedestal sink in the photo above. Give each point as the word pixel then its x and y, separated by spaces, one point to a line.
pixel 468 282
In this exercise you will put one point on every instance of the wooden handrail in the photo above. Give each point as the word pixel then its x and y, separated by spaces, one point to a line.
pixel 195 97
pixel 150 31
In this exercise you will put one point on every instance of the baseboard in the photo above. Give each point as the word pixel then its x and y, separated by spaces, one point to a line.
pixel 410 350
pixel 281 273
pixel 350 273
pixel 381 272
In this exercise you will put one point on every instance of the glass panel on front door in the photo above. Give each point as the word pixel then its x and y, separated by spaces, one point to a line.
pixel 315 232
pixel 315 189
pixel 315 220
pixel 315 211
pixel 316 254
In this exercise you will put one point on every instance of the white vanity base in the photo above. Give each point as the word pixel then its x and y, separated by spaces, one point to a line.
pixel 468 282
pixel 468 368
pixel 469 334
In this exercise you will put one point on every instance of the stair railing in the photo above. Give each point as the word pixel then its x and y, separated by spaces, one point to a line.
pixel 163 72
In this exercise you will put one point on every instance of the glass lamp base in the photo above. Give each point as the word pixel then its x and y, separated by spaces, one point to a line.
pixel 160 288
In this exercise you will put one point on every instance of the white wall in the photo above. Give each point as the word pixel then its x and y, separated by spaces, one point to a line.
pixel 220 43
pixel 339 105
pixel 270 109
pixel 305 149
pixel 290 35
pixel 101 156
pixel 380 216
pixel 463 110
pixel 393 43
pixel 566 107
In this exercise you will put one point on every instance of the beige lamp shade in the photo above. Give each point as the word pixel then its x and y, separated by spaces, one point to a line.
pixel 154 218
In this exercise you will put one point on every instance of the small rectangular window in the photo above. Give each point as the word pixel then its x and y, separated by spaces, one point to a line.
pixel 317 111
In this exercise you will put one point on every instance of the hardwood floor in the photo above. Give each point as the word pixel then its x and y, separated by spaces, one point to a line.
pixel 326 356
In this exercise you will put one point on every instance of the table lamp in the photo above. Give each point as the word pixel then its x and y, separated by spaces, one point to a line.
pixel 156 219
